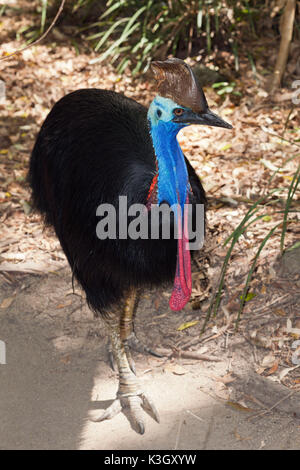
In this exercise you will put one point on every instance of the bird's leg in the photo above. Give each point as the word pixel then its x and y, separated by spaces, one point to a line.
pixel 129 393
pixel 126 329
pixel 126 325
pixel 128 335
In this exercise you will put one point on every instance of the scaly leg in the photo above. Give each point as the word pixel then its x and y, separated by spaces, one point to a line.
pixel 129 393
pixel 127 333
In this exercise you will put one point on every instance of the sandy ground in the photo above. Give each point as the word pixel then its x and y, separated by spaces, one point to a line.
pixel 57 380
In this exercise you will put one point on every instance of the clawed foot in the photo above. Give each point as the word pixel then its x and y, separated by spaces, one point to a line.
pixel 132 408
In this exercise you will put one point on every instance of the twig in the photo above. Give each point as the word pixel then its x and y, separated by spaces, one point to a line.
pixel 41 38
pixel 220 333
pixel 262 413
pixel 201 357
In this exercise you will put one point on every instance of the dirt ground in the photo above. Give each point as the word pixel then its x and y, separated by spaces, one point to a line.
pixel 219 390
pixel 57 379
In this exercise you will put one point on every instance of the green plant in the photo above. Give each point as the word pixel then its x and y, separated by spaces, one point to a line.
pixel 226 88
pixel 251 217
pixel 132 32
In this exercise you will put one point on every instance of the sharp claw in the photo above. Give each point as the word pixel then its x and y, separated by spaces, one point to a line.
pixel 141 427
pixel 129 358
pixel 148 403
pixel 111 361
pixel 134 404
pixel 132 366
pixel 137 345
pixel 153 353
pixel 111 358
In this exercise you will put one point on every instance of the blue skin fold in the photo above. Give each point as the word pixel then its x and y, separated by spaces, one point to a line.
pixel 173 179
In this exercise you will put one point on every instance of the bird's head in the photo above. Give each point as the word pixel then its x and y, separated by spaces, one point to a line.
pixel 181 100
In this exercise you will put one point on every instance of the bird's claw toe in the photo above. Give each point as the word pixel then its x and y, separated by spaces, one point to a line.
pixel 134 343
pixel 111 411
pixel 132 406
pixel 149 404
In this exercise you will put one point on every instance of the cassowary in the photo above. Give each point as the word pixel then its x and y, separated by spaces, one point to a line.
pixel 94 146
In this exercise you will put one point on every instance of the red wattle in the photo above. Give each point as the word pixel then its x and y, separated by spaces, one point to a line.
pixel 183 278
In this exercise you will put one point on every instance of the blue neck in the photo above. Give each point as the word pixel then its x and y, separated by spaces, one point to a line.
pixel 172 172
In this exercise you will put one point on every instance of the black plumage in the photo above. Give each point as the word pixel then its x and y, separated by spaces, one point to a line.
pixel 94 146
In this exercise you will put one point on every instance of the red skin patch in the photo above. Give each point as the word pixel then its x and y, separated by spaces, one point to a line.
pixel 183 278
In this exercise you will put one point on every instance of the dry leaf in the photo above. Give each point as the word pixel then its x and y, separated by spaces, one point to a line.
pixel 6 302
pixel 263 290
pixel 226 379
pixel 179 370
pixel 280 312
pixel 273 368
pixel 238 406
pixel 268 360
pixel 186 325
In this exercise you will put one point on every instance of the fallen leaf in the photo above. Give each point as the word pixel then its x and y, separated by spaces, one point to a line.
pixel 226 379
pixel 249 296
pixel 268 360
pixel 280 312
pixel 273 368
pixel 186 325
pixel 238 406
pixel 6 302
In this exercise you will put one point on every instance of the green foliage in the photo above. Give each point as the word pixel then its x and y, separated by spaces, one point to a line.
pixel 251 217
pixel 226 88
pixel 133 32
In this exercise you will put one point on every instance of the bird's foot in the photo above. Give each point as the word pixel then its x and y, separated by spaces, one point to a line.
pixel 132 406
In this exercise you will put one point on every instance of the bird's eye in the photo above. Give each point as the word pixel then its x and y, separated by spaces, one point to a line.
pixel 178 111
pixel 158 112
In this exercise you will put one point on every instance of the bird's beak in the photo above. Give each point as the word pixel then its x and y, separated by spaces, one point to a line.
pixel 207 118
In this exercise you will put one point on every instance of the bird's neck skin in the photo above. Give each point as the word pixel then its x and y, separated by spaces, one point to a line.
pixel 172 171
pixel 172 187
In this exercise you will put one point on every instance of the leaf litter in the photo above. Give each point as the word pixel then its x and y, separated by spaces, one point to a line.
pixel 235 170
